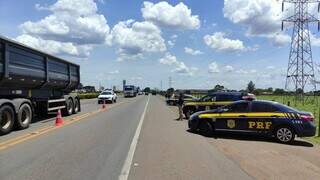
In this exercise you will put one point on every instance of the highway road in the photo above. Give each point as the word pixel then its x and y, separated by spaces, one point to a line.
pixel 138 138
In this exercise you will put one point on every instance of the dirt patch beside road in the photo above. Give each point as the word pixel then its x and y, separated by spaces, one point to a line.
pixel 263 159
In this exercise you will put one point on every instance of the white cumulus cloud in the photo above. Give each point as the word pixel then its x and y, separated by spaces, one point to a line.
pixel 114 72
pixel 72 23
pixel 229 68
pixel 192 51
pixel 219 42
pixel 55 47
pixel 180 67
pixel 259 17
pixel 213 68
pixel 164 14
pixel 134 38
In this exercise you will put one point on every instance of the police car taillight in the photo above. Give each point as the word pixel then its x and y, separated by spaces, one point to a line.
pixel 307 118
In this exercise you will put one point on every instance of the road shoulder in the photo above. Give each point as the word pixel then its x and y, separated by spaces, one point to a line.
pixel 167 151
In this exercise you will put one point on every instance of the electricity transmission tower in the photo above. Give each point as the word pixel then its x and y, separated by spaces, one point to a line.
pixel 300 72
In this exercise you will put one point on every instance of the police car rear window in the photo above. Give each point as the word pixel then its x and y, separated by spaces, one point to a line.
pixel 238 107
pixel 228 97
pixel 263 107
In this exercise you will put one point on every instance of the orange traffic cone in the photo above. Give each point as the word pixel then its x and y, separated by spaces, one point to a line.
pixel 104 106
pixel 59 120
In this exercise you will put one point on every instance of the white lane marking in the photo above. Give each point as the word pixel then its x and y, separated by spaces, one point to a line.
pixel 127 164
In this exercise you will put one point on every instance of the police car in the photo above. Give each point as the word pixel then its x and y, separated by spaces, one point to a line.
pixel 213 101
pixel 256 116
pixel 186 98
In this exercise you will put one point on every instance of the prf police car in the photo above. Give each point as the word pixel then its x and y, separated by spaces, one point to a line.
pixel 213 101
pixel 257 116
pixel 186 98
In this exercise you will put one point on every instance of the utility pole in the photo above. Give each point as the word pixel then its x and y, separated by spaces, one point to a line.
pixel 161 85
pixel 170 82
pixel 300 72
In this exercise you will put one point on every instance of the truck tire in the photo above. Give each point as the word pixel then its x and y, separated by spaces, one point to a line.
pixel 76 106
pixel 24 116
pixel 6 119
pixel 69 108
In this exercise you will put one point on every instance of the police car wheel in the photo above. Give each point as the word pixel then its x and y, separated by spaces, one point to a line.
pixel 206 129
pixel 284 134
pixel 188 113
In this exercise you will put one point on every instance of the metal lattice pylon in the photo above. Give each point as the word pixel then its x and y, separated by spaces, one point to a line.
pixel 300 72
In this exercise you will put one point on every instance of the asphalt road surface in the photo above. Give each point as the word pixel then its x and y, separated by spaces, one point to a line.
pixel 138 138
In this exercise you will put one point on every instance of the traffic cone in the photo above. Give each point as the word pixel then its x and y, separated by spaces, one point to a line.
pixel 59 120
pixel 104 106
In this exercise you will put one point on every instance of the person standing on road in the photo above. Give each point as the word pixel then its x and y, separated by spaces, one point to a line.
pixel 180 104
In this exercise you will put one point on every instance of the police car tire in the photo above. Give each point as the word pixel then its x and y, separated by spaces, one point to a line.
pixel 188 113
pixel 284 134
pixel 205 128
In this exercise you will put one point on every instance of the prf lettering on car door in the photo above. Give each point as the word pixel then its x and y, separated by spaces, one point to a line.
pixel 259 124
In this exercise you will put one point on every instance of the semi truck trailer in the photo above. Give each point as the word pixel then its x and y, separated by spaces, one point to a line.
pixel 130 91
pixel 34 83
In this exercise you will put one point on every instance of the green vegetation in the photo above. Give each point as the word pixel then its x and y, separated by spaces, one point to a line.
pixel 311 104
pixel 88 95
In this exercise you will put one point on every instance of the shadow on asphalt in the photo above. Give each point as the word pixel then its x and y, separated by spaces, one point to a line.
pixel 250 137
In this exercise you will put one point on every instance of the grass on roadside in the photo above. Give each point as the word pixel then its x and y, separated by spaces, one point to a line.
pixel 310 105
pixel 88 95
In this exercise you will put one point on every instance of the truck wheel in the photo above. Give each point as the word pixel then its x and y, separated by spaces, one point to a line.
pixel 76 106
pixel 69 108
pixel 24 116
pixel 284 134
pixel 205 129
pixel 6 119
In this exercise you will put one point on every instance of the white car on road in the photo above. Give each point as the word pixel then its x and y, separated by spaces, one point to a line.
pixel 107 96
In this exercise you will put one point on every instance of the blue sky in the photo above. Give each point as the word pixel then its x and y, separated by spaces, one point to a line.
pixel 199 45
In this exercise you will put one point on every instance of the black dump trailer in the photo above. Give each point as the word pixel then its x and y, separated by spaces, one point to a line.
pixel 33 83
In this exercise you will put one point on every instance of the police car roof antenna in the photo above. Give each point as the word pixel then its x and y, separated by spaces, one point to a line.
pixel 300 71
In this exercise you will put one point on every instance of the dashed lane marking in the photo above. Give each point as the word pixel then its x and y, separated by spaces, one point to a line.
pixel 127 164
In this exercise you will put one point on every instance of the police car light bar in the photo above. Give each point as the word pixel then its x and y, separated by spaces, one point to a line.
pixel 249 97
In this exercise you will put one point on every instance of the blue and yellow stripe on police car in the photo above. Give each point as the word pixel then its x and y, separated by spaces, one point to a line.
pixel 247 115
pixel 208 103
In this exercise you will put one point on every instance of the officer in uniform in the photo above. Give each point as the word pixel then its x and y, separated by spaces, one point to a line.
pixel 180 104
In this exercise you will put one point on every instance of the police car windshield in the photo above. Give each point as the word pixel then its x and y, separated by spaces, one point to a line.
pixel 208 98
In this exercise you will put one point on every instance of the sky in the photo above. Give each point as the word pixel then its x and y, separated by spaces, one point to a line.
pixel 198 45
